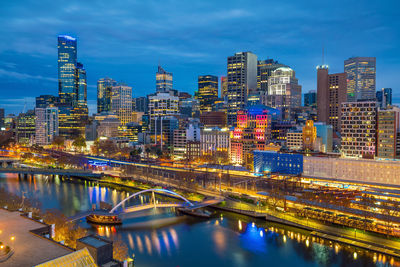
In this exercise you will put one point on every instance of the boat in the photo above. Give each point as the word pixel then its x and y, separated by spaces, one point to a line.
pixel 196 213
pixel 108 219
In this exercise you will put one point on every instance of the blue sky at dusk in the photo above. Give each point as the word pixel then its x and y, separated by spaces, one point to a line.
pixel 125 40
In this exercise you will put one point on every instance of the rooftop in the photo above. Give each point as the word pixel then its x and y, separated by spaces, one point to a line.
pixel 93 241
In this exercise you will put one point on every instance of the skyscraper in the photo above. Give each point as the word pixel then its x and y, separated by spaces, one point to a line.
pixel 46 126
pixel 264 71
pixel 44 101
pixel 331 93
pixel 384 97
pixel 121 102
pixel 242 79
pixel 361 75
pixel 387 132
pixel 207 92
pixel 163 80
pixel 284 92
pixel 81 85
pixel 310 99
pixel 67 61
pixel 104 94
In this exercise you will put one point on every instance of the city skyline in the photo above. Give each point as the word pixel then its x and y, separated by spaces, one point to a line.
pixel 130 49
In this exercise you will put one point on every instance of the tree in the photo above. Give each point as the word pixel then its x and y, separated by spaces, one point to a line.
pixel 58 142
pixel 120 250
pixel 79 143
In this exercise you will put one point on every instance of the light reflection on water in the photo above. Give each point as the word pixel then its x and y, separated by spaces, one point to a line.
pixel 158 236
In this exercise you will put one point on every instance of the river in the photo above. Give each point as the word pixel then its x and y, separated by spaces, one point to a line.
pixel 160 238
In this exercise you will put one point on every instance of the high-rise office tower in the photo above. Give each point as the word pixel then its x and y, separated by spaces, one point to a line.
pixel 25 127
pixel 67 61
pixel 358 129
pixel 331 93
pixel 140 104
pixel 44 101
pixel 384 97
pixel 163 80
pixel 264 71
pixel 224 86
pixel 81 85
pixel 387 132
pixel 242 80
pixel 207 92
pixel 46 125
pixel 310 99
pixel 104 94
pixel 361 75
pixel 121 102
pixel 284 92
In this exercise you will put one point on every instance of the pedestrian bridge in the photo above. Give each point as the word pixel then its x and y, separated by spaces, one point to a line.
pixel 120 209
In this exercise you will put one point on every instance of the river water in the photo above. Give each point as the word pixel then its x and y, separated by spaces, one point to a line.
pixel 158 237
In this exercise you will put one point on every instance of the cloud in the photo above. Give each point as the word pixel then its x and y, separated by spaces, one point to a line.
pixel 24 76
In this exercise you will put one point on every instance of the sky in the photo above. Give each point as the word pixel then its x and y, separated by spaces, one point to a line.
pixel 126 40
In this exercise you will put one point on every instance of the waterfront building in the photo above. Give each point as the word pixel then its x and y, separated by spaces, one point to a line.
pixel 140 104
pixel 358 129
pixel 121 102
pixel 325 134
pixel 387 131
pixel 104 94
pixel 275 162
pixel 44 101
pixel 213 119
pixel 361 78
pixel 26 127
pixel 224 87
pixel 310 99
pixel 72 120
pixel 242 79
pixel 284 92
pixel 309 135
pixel 252 133
pixel 67 62
pixel 294 139
pixel 46 125
pixel 163 81
pixel 331 93
pixel 383 172
pixel 384 97
pixel 264 71
pixel 207 92
pixel 213 139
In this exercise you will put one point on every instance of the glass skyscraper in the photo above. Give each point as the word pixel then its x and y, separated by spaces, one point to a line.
pixel 104 94
pixel 67 63
pixel 361 78
pixel 163 80
pixel 207 92
pixel 81 85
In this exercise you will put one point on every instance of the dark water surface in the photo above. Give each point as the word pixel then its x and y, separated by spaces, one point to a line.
pixel 158 237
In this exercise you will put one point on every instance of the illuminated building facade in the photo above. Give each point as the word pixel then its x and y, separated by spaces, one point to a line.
pixel 358 129
pixel 361 78
pixel 284 92
pixel 121 103
pixel 104 94
pixel 46 125
pixel 264 71
pixel 309 135
pixel 207 92
pixel 325 134
pixel 163 81
pixel 294 139
pixel 81 85
pixel 26 127
pixel 242 79
pixel 67 61
pixel 224 86
pixel 387 132
pixel 253 131
pixel 44 101
pixel 214 139
pixel 161 105
pixel 108 128
pixel 213 119
pixel 283 163
pixel 331 93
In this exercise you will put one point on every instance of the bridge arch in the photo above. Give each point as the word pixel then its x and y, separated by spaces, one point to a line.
pixel 151 190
